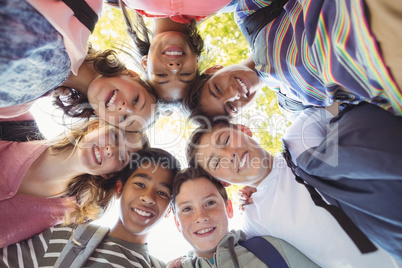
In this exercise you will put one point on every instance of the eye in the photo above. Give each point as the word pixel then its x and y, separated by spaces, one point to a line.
pixel 185 74
pixel 122 160
pixel 226 142
pixel 123 118
pixel 161 75
pixel 231 107
pixel 186 209
pixel 215 163
pixel 164 194
pixel 210 203
pixel 139 184
pixel 136 100
pixel 218 90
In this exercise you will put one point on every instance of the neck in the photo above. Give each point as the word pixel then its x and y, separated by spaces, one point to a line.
pixel 50 174
pixel 166 24
pixel 121 232
pixel 80 82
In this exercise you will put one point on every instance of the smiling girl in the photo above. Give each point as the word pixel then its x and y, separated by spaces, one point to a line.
pixel 74 173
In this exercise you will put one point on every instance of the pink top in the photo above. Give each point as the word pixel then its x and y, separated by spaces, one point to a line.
pixel 75 34
pixel 178 10
pixel 23 216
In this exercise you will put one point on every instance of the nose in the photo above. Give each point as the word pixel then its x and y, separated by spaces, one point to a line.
pixel 122 106
pixel 110 150
pixel 174 66
pixel 202 216
pixel 230 94
pixel 148 198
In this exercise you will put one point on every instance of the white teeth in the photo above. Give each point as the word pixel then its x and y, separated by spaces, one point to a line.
pixel 205 231
pixel 97 155
pixel 111 99
pixel 142 213
pixel 242 85
pixel 242 162
pixel 174 53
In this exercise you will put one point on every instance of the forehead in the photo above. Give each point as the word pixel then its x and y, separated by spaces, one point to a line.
pixel 154 173
pixel 200 187
pixel 211 138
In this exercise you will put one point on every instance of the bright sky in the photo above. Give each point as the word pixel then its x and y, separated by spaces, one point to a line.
pixel 165 241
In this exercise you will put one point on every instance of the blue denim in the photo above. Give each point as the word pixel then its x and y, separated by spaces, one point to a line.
pixel 33 58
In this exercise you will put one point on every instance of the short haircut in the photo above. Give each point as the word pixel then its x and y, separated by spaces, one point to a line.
pixel 189 174
pixel 154 156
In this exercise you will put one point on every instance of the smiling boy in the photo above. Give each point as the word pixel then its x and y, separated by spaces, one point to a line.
pixel 314 53
pixel 284 208
pixel 201 211
pixel 144 193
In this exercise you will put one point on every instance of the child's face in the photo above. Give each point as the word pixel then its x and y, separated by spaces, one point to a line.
pixel 122 101
pixel 144 202
pixel 171 65
pixel 202 215
pixel 232 156
pixel 230 91
pixel 107 149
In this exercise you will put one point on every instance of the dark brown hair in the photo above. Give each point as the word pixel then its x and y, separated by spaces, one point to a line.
pixel 142 36
pixel 75 104
pixel 190 174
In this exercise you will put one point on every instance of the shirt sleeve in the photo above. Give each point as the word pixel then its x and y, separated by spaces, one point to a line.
pixel 308 131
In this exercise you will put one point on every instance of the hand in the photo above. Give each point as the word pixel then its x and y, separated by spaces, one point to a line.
pixel 245 196
pixel 176 263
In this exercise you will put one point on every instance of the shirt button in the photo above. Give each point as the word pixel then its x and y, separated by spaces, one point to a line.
pixel 11 193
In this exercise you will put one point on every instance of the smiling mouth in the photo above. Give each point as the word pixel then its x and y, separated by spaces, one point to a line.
pixel 243 86
pixel 174 53
pixel 142 213
pixel 204 231
pixel 242 161
pixel 110 100
pixel 97 154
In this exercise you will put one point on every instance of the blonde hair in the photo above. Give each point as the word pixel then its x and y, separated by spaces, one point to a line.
pixel 93 193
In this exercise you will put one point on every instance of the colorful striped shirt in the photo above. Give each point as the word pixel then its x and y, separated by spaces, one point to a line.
pixel 43 249
pixel 319 52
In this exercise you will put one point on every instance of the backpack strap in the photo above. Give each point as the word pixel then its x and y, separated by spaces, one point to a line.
pixel 358 237
pixel 81 245
pixel 265 251
pixel 83 12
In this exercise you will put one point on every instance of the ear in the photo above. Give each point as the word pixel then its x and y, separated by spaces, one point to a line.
pixel 177 223
pixel 144 62
pixel 168 212
pixel 213 69
pixel 119 188
pixel 229 208
pixel 225 184
pixel 132 74
pixel 245 130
